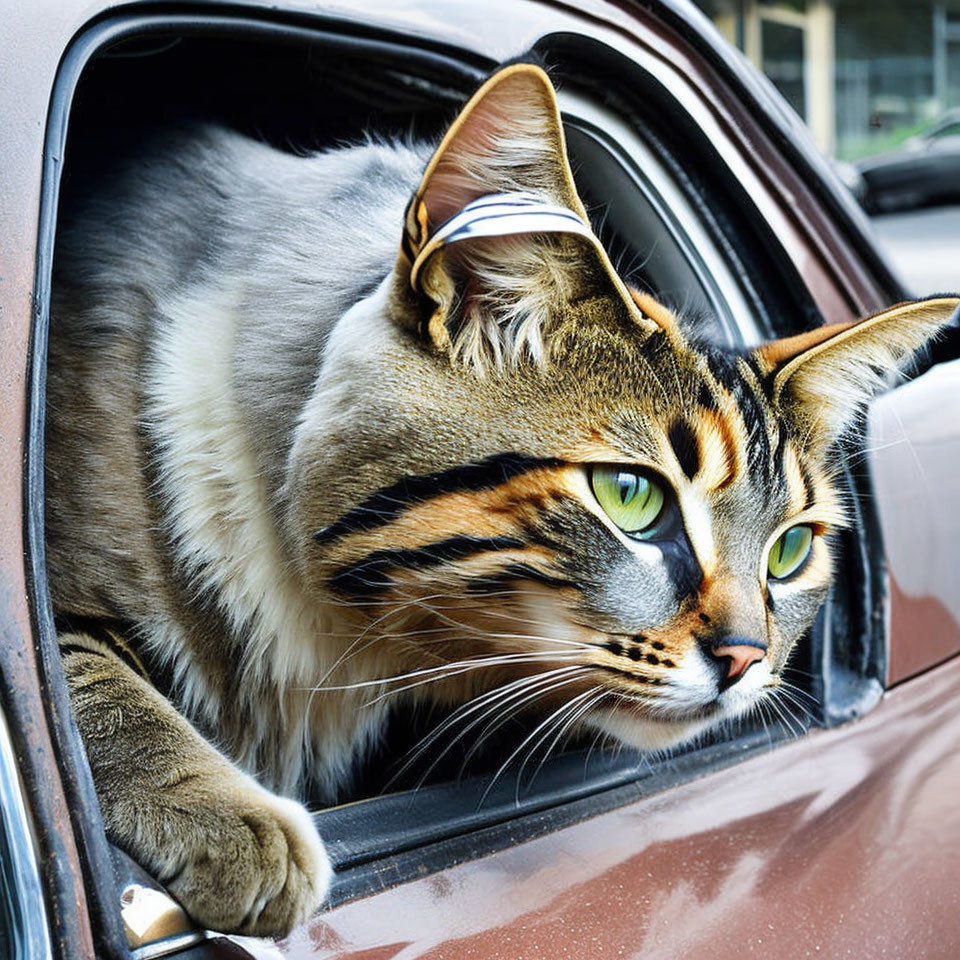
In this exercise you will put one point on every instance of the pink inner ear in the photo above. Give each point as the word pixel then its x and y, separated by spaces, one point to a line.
pixel 449 192
pixel 509 128
pixel 456 179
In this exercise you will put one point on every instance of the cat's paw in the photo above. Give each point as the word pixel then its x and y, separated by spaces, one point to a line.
pixel 256 866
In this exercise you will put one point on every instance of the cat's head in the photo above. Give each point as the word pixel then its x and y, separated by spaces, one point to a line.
pixel 526 477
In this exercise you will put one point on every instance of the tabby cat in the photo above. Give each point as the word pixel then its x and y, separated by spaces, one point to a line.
pixel 298 475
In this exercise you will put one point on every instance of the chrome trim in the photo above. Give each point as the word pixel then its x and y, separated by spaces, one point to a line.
pixel 29 936
pixel 161 948
pixel 717 281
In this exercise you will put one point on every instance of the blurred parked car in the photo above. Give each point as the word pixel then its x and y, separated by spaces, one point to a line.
pixel 828 832
pixel 923 172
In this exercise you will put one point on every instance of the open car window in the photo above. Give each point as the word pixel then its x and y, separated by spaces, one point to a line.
pixel 675 221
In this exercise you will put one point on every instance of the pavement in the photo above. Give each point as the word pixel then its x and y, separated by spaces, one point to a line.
pixel 924 248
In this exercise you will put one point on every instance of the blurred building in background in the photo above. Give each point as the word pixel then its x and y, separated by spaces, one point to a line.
pixel 865 74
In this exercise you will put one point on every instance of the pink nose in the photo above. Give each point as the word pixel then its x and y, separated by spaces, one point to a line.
pixel 739 657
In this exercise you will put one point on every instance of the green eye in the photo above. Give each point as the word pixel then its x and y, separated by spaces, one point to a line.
pixel 789 552
pixel 631 500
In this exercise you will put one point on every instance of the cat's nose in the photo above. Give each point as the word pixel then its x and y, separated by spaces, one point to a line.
pixel 739 654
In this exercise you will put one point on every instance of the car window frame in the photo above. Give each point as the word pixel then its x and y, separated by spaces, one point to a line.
pixel 723 291
pixel 84 808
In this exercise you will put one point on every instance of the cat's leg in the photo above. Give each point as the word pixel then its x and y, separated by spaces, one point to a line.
pixel 238 858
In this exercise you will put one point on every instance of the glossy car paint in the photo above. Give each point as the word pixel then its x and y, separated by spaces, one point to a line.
pixel 814 843
pixel 810 850
pixel 914 445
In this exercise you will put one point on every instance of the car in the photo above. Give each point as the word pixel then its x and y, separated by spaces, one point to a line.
pixel 925 171
pixel 827 831
pixel 942 134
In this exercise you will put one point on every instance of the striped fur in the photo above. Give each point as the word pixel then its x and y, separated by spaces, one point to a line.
pixel 329 494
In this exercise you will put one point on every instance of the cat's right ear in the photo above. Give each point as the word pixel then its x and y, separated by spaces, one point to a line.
pixel 496 239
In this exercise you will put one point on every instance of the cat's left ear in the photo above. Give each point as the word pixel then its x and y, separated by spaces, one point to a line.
pixel 823 377
pixel 497 244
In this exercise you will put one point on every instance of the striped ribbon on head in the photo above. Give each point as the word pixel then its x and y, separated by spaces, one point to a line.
pixel 501 215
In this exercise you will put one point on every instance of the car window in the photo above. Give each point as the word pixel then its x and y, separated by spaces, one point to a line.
pixel 675 221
